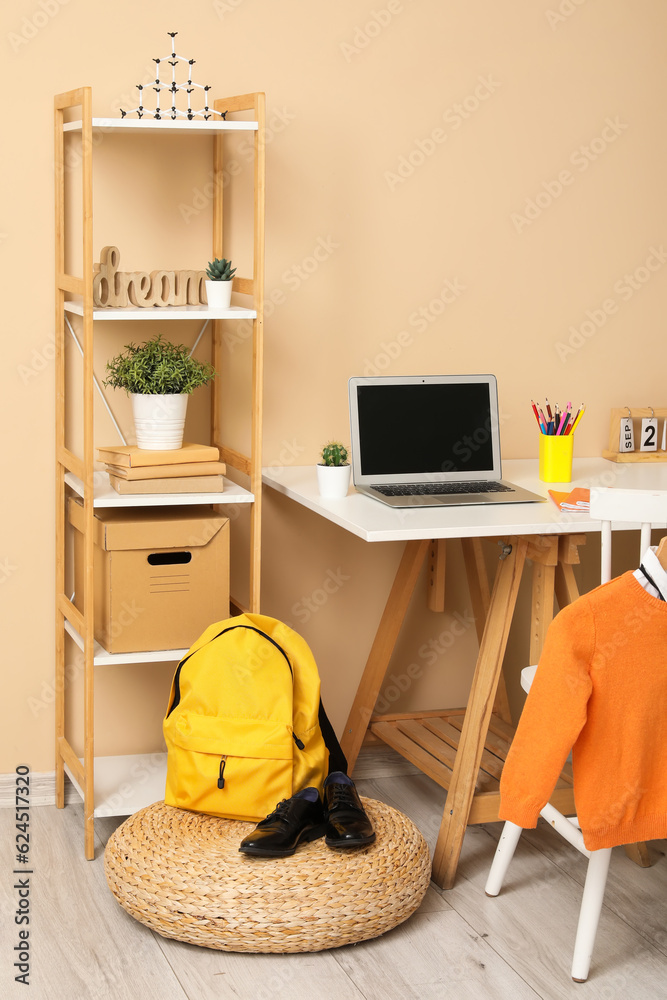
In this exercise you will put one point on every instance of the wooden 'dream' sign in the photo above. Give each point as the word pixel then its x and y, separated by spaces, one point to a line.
pixel 112 287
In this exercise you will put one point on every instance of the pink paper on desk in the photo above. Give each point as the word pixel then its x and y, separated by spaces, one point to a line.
pixel 579 499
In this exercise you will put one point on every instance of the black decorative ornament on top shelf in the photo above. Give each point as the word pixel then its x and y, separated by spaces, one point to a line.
pixel 174 89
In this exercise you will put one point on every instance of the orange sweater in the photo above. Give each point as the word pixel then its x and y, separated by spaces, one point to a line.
pixel 601 691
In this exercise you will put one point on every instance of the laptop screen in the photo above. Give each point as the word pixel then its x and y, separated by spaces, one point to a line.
pixel 422 429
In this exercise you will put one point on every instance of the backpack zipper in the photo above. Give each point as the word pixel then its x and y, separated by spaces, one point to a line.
pixel 221 778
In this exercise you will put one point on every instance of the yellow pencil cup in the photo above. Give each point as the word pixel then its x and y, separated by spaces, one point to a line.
pixel 556 458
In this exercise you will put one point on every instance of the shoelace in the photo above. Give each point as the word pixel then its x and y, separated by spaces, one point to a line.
pixel 279 812
pixel 342 796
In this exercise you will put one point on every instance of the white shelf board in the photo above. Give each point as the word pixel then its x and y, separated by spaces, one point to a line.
pixel 75 306
pixel 106 496
pixel 101 657
pixel 127 783
pixel 165 125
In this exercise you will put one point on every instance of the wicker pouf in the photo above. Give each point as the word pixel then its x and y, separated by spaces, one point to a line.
pixel 182 875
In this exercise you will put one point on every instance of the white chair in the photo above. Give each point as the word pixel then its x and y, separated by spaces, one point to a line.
pixel 648 508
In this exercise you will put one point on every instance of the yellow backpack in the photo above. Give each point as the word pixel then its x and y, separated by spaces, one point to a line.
pixel 242 728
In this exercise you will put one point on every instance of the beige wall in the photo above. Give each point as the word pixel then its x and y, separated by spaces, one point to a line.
pixel 410 141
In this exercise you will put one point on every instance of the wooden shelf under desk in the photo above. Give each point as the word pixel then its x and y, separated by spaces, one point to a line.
pixel 430 740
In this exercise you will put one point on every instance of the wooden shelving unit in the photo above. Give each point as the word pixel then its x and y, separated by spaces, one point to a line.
pixel 99 780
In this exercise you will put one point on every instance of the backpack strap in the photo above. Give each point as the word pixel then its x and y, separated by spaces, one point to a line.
pixel 337 759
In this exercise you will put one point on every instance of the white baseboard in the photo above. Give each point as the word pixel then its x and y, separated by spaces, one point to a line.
pixel 42 789
pixel 375 761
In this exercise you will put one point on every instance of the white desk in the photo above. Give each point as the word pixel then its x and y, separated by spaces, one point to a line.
pixel 376 522
pixel 464 749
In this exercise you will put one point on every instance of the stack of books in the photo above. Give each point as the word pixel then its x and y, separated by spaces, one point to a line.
pixel 194 468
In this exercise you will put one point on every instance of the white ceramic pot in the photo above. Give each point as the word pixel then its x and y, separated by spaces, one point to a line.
pixel 333 480
pixel 159 420
pixel 219 293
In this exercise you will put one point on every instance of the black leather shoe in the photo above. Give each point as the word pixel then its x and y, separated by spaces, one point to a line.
pixel 292 822
pixel 347 823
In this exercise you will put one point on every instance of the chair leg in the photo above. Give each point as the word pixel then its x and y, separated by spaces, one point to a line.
pixel 589 915
pixel 509 838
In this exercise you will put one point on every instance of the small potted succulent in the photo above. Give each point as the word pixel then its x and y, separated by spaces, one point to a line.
pixel 219 283
pixel 333 472
pixel 159 377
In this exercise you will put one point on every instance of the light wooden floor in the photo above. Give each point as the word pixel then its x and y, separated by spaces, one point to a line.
pixel 460 944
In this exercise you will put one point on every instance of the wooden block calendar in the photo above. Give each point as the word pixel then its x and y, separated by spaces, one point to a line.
pixel 637 414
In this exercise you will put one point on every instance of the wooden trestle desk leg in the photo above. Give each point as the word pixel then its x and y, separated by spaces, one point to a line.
pixel 382 648
pixel 543 552
pixel 478 714
pixel 552 558
pixel 480 598
pixel 567 590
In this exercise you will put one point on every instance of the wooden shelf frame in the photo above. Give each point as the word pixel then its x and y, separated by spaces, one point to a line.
pixel 74 295
pixel 248 465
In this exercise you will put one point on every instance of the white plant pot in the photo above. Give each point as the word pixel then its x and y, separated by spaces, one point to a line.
pixel 333 480
pixel 219 293
pixel 159 420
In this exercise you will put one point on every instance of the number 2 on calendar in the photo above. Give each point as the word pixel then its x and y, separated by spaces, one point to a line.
pixel 649 441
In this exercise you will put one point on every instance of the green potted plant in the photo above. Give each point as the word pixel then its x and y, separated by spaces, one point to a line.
pixel 159 377
pixel 219 283
pixel 333 471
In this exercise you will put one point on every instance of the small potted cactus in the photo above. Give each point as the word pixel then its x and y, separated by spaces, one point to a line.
pixel 333 472
pixel 219 283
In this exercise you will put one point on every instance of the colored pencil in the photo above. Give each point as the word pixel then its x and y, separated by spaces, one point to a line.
pixel 560 421
pixel 564 418
pixel 579 416
pixel 572 422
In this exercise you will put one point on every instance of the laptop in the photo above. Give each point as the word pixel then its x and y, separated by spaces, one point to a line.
pixel 429 441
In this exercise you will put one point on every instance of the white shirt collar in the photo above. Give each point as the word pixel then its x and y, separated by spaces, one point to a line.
pixel 652 565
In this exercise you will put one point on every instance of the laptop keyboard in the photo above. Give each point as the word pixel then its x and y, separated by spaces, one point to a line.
pixel 440 489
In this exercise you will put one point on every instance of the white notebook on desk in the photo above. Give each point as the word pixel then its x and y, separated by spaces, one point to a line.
pixel 427 441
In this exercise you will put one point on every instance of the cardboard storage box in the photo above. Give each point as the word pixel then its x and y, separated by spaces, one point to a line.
pixel 161 575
